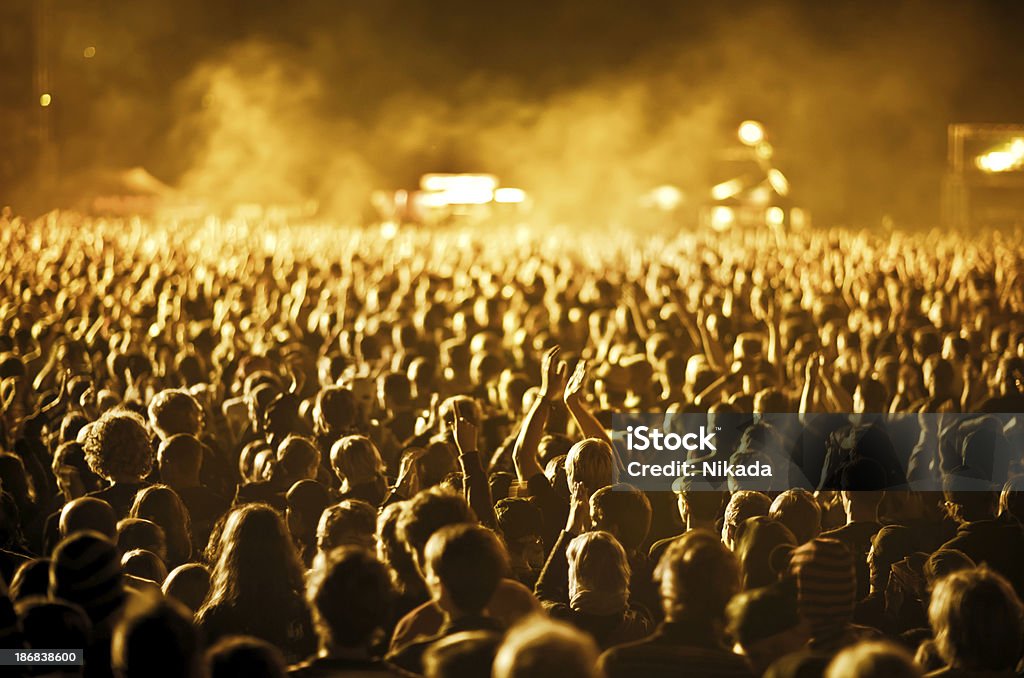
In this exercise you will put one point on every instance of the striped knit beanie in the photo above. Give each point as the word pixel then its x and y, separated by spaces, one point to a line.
pixel 826 584
pixel 86 571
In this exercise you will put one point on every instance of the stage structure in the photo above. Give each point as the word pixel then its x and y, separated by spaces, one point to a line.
pixel 984 185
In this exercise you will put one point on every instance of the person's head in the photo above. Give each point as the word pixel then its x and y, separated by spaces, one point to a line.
pixel 137 533
pixel 163 506
pixel 467 654
pixel 88 513
pixel 394 391
pixel 762 547
pixel 436 462
pixel 117 447
pixel 463 565
pixel 871 395
pixel 799 511
pixel 180 458
pixel 598 574
pixel 873 659
pixel 255 562
pixel 47 624
pixel 428 512
pixel 966 504
pixel 975 617
pixel 144 565
pixel 697 577
pixel 624 511
pixel 297 459
pixel 459 406
pixel 32 578
pixel 826 584
pixel 86 570
pixel 590 462
pixel 890 545
pixel 356 461
pixel 349 593
pixel 765 623
pixel 350 522
pixel 521 523
pixel 742 505
pixel 334 411
pixel 862 483
pixel 699 503
pixel 542 648
pixel 14 480
pixel 70 468
pixel 174 411
pixel 189 584
pixel 244 656
pixel 306 499
pixel 1011 499
pixel 157 638
pixel 943 562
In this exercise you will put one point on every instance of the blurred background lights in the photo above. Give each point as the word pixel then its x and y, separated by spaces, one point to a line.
pixel 89 52
pixel 751 132
pixel 45 99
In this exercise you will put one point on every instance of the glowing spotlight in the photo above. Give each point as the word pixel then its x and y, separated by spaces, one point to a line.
pixel 726 189
pixel 722 218
pixel 44 100
pixel 775 216
pixel 89 52
pixel 778 181
pixel 666 198
pixel 509 195
pixel 751 132
pixel 1006 158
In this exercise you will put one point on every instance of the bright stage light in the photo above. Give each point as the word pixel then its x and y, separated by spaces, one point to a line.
pixel 509 195
pixel 751 132
pixel 44 100
pixel 778 181
pixel 722 218
pixel 726 189
pixel 89 52
pixel 1004 159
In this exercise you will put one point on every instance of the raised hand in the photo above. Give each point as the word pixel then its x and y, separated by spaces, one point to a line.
pixel 574 389
pixel 465 435
pixel 552 375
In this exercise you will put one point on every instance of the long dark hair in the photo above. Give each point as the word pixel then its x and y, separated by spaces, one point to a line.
pixel 256 563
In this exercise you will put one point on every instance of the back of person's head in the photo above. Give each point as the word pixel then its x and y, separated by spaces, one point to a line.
pixel 890 545
pixel 156 637
pixel 350 522
pixel 518 519
pixel 467 654
pixel 763 547
pixel 742 505
pixel 297 458
pixel 189 584
pixel 862 482
pixel 349 593
pixel 306 500
pixel 699 502
pixel 47 624
pixel 88 513
pixel 946 561
pixel 244 656
pixel 1011 499
pixel 144 564
pixel 542 648
pixel 32 578
pixel 873 659
pixel 697 576
pixel 799 511
pixel 461 406
pixel 598 574
pixel 624 511
pixel 826 584
pixel 590 462
pixel 976 619
pixel 334 410
pixel 356 460
pixel 428 512
pixel 180 458
pixel 118 448
pixel 86 570
pixel 138 533
pixel 436 462
pixel 464 564
pixel 71 469
pixel 765 623
pixel 174 411
pixel 162 505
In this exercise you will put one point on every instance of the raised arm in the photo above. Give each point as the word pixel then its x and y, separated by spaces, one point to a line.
pixel 524 455
pixel 477 489
pixel 587 422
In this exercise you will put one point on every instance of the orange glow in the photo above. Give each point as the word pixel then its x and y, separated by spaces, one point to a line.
pixel 89 52
pixel 726 189
pixel 1003 159
pixel 751 132
pixel 44 100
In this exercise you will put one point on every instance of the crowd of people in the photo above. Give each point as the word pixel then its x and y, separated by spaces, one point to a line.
pixel 231 449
